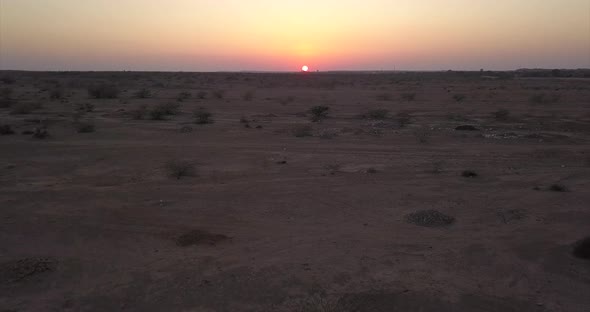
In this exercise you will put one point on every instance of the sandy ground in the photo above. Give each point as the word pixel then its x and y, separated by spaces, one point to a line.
pixel 275 222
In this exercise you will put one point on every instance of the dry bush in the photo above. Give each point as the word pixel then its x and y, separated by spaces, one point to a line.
pixel 422 135
pixel 103 91
pixel 582 248
pixel 139 112
pixel 558 188
pixel 376 114
pixel 200 237
pixel 143 93
pixel 218 94
pixel 403 119
pixel 248 96
pixel 408 96
pixel 57 93
pixel 301 131
pixel 6 130
pixel 84 127
pixel 201 95
pixel 544 98
pixel 85 107
pixel 459 97
pixel 24 108
pixel 183 96
pixel 164 109
pixel 430 218
pixel 383 97
pixel 202 116
pixel 501 114
pixel 469 174
pixel 180 168
pixel 318 113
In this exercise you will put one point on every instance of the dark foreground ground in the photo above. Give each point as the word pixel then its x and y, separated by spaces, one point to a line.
pixel 264 210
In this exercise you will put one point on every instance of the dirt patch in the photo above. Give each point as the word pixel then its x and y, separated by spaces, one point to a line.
pixel 430 218
pixel 18 270
pixel 200 237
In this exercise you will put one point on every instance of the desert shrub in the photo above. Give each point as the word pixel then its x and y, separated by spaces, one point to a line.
pixel 403 119
pixel 543 98
pixel 430 218
pixel 286 99
pixel 319 113
pixel 7 80
pixel 383 97
pixel 157 113
pixel 408 96
pixel 459 97
pixel 456 117
pixel 84 127
pixel 218 94
pixel 422 135
pixel 248 96
pixel 23 108
pixel 6 93
pixel 6 130
pixel 139 112
pixel 85 107
pixel 40 133
pixel 199 237
pixel 558 188
pixel 143 93
pixel 582 248
pixel 469 174
pixel 501 114
pixel 301 131
pixel 201 95
pixel 466 128
pixel 377 114
pixel 202 117
pixel 164 109
pixel 6 102
pixel 103 91
pixel 180 168
pixel 183 96
pixel 57 93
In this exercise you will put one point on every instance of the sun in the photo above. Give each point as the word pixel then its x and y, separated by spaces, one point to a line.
pixel 304 68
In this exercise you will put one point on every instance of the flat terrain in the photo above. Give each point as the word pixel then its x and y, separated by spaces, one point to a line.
pixel 261 209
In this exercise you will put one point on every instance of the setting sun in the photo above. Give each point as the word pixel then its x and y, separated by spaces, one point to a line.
pixel 304 68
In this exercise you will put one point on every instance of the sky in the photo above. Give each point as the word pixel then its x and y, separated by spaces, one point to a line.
pixel 283 35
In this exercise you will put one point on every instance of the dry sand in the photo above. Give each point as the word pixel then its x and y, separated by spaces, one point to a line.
pixel 268 221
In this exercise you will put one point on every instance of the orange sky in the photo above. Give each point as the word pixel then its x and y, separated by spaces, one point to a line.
pixel 210 35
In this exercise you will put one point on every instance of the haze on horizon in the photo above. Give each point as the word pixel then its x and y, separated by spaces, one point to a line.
pixel 269 35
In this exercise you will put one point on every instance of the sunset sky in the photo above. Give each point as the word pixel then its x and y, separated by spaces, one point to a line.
pixel 273 35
